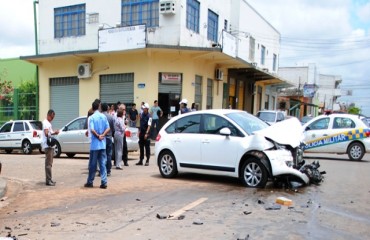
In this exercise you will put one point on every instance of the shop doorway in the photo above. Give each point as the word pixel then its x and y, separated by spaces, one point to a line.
pixel 169 103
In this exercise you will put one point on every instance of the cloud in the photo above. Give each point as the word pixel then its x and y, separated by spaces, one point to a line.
pixel 18 38
pixel 363 13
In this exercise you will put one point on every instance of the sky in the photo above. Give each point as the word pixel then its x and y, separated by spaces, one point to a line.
pixel 332 34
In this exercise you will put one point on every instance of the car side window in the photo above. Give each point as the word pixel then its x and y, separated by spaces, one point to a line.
pixel 77 125
pixel 26 126
pixel 6 128
pixel 342 122
pixel 18 127
pixel 280 116
pixel 189 124
pixel 319 124
pixel 212 124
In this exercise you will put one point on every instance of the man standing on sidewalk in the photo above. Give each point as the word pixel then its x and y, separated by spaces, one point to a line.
pixel 155 112
pixel 144 137
pixel 109 142
pixel 99 128
pixel 49 150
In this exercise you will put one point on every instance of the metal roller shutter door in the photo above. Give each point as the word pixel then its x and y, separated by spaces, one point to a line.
pixel 169 88
pixel 117 87
pixel 64 100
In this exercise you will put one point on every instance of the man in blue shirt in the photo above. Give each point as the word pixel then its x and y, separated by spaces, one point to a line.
pixel 99 128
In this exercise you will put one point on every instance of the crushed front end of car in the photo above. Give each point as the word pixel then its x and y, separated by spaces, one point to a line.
pixel 286 154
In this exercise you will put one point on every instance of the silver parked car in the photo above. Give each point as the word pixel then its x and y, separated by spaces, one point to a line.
pixel 72 139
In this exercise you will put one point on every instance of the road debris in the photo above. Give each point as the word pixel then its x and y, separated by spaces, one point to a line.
pixel 284 201
pixel 260 201
pixel 274 207
pixel 198 222
pixel 159 216
pixel 54 224
pixel 246 238
pixel 247 213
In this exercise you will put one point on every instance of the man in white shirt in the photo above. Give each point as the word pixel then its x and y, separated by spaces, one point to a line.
pixel 49 150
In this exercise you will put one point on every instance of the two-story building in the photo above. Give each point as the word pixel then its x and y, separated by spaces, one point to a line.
pixel 214 53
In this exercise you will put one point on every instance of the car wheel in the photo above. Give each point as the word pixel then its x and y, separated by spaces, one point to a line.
pixel 356 151
pixel 70 155
pixel 253 173
pixel 167 164
pixel 57 150
pixel 8 151
pixel 26 147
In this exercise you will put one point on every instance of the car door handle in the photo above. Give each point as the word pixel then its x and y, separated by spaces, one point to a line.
pixel 325 135
pixel 177 140
pixel 205 141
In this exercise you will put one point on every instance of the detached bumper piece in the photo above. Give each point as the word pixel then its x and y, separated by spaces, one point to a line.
pixel 312 172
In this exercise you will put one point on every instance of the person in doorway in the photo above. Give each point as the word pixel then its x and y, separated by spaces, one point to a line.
pixel 193 107
pixel 183 106
pixel 133 115
pixel 155 112
pixel 49 150
pixel 109 137
pixel 144 130
pixel 99 128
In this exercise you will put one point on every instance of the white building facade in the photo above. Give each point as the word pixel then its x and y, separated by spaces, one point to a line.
pixel 214 53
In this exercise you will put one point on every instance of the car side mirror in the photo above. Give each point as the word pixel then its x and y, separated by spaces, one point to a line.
pixel 307 129
pixel 65 129
pixel 225 131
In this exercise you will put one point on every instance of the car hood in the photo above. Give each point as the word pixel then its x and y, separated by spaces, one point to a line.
pixel 287 132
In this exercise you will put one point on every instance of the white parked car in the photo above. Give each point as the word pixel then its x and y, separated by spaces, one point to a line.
pixel 72 139
pixel 21 134
pixel 271 116
pixel 338 133
pixel 230 143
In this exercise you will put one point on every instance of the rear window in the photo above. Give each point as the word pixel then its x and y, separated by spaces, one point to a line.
pixel 37 125
pixel 267 116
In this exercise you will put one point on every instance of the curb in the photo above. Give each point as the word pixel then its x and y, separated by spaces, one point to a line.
pixel 2 187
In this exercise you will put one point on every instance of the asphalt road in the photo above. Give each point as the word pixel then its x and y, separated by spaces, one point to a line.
pixel 201 206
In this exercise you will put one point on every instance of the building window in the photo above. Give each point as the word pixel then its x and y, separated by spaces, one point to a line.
pixel 274 62
pixel 135 12
pixel 209 93
pixel 69 21
pixel 198 91
pixel 263 52
pixel 192 15
pixel 212 26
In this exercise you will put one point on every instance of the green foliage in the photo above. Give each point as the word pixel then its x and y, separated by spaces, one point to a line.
pixel 6 89
pixel 354 110
pixel 27 99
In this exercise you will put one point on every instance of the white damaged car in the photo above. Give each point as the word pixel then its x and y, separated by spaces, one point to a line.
pixel 233 143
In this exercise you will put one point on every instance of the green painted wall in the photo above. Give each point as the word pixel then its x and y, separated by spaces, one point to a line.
pixel 16 70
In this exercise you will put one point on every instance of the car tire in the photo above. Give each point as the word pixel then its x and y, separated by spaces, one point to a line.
pixel 8 151
pixel 253 173
pixel 26 147
pixel 167 164
pixel 70 155
pixel 57 150
pixel 356 151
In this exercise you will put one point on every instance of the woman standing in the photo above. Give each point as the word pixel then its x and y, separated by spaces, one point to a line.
pixel 118 138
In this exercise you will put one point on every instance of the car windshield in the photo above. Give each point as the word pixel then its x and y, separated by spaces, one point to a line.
pixel 267 116
pixel 37 125
pixel 306 119
pixel 247 122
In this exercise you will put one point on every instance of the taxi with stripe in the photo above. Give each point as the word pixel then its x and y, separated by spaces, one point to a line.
pixel 338 133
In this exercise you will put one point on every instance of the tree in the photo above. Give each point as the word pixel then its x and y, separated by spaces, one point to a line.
pixel 354 110
pixel 6 88
pixel 27 100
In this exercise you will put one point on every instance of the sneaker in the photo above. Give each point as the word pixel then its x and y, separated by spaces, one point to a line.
pixel 139 163
pixel 103 186
pixel 147 163
pixel 88 185
pixel 108 174
pixel 119 168
pixel 126 164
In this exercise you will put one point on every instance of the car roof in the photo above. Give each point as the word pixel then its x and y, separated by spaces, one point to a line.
pixel 273 111
pixel 333 115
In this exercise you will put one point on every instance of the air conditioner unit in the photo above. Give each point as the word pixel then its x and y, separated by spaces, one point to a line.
pixel 167 7
pixel 84 70
pixel 219 75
